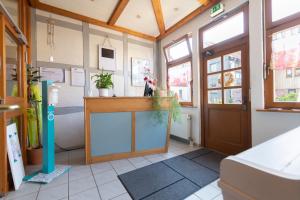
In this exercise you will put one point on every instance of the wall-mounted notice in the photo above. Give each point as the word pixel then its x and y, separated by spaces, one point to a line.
pixel 56 75
pixel 77 77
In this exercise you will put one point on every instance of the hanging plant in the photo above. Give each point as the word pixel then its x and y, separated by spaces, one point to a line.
pixel 173 108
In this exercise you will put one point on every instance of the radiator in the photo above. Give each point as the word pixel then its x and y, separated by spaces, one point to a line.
pixel 183 128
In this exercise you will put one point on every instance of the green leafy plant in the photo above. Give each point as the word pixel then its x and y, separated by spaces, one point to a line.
pixel 174 106
pixel 103 80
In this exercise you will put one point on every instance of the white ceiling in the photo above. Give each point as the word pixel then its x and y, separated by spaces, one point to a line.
pixel 173 11
pixel 145 24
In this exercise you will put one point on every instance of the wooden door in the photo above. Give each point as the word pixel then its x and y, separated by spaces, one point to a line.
pixel 12 92
pixel 226 99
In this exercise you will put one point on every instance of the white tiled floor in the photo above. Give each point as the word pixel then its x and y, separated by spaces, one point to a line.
pixel 99 181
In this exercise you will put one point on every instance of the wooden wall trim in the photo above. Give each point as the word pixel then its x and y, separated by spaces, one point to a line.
pixel 156 4
pixel 188 18
pixel 117 11
pixel 65 13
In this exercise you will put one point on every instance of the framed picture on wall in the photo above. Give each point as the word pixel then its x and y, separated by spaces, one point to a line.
pixel 139 67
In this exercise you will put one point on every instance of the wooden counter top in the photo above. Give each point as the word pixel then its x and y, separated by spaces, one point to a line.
pixel 121 104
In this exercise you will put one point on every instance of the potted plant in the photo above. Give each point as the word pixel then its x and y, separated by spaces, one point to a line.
pixel 103 83
pixel 34 115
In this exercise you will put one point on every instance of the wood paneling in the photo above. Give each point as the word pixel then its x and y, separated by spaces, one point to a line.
pixel 156 4
pixel 117 11
pixel 188 18
pixel 120 104
pixel 90 20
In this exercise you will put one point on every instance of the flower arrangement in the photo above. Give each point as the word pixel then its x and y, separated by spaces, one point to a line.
pixel 150 82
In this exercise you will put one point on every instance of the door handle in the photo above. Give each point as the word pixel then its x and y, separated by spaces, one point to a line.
pixel 245 103
pixel 4 108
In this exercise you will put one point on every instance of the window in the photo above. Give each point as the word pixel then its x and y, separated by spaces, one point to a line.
pixel 230 28
pixel 282 83
pixel 179 69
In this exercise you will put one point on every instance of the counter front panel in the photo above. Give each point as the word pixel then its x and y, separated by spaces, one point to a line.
pixel 149 133
pixel 110 133
pixel 123 127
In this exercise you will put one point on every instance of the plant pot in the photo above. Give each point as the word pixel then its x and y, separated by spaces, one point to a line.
pixel 103 92
pixel 35 156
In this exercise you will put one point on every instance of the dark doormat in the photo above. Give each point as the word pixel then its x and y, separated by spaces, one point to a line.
pixel 175 178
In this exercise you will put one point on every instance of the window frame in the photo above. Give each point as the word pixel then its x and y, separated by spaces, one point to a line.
pixel 179 61
pixel 270 28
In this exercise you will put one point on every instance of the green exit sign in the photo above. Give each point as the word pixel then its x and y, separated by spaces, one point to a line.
pixel 216 9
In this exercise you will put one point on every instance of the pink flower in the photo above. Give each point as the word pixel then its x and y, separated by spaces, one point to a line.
pixel 150 81
pixel 145 79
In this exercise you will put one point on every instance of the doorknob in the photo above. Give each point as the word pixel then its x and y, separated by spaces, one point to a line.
pixel 245 103
pixel 4 108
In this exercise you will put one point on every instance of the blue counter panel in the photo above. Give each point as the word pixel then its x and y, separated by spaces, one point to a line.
pixel 110 133
pixel 150 134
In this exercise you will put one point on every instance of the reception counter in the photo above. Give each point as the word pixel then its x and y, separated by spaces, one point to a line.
pixel 123 127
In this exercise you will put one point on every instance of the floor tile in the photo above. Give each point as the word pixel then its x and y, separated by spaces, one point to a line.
pixel 55 193
pixel 208 193
pixel 25 189
pixel 155 158
pixel 106 177
pixel 81 185
pixel 220 197
pixel 139 162
pixel 122 166
pixel 111 190
pixel 26 197
pixel 101 167
pixel 215 184
pixel 91 194
pixel 123 197
pixel 79 172
pixel 57 181
pixel 192 197
pixel 62 158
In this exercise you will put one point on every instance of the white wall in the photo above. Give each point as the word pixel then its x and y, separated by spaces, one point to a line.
pixel 69 52
pixel 264 125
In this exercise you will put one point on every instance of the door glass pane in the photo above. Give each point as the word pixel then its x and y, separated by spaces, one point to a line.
pixel 214 96
pixel 12 65
pixel 214 65
pixel 225 30
pixel 233 78
pixel 12 6
pixel 282 9
pixel 232 60
pixel 179 79
pixel 214 81
pixel 285 62
pixel 233 96
pixel 177 50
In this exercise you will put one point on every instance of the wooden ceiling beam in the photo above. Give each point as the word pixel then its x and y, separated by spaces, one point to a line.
pixel 65 13
pixel 188 18
pixel 117 11
pixel 204 2
pixel 156 4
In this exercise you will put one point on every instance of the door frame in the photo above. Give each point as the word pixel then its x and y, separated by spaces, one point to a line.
pixel 24 58
pixel 239 40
